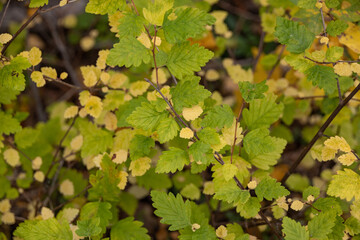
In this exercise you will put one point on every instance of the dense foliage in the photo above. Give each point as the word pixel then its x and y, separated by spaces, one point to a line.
pixel 219 150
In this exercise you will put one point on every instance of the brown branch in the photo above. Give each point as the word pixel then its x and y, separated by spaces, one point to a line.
pixel 21 29
pixel 333 63
pixel 322 129
pixel 323 23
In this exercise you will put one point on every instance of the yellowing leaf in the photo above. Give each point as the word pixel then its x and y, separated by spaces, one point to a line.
pixel 46 213
pixel 49 72
pixel 120 156
pixel 186 133
pixel 5 37
pixel 347 159
pixel 343 69
pixel 71 112
pixel 139 166
pixel 144 39
pixel 228 134
pixel 38 78
pixel 101 61
pixel 117 80
pixel 229 171
pixel 35 56
pixel 350 37
pixel 161 76
pixel 12 157
pixel 338 143
pixel 5 205
pixel 67 188
pixel 94 106
pixel 36 163
pixel 192 113
pixel 328 153
pixel 8 218
pixel 76 143
pixel 297 205
pixel 237 73
pixel 221 232
pixel 138 88
pixel 345 185
pixel 39 176
pixel 90 74
pixel 123 179
pixel 155 11
pixel 110 121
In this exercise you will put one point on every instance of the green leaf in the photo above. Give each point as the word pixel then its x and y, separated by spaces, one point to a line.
pixel 250 209
pixel 26 137
pixel 156 10
pixel 172 160
pixel 352 225
pixel 188 93
pixel 140 146
pixel 97 209
pixel 43 230
pixel 191 191
pixel 345 185
pixel 334 53
pixel 38 3
pixel 131 25
pixel 270 189
pixel 185 59
pixel 229 192
pixel 128 52
pixel 229 171
pixel 105 181
pixel 262 150
pixel 251 91
pixel 337 230
pixel 104 6
pixel 262 112
pixel 167 130
pixel 188 23
pixel 336 27
pixel 7 95
pixel 219 116
pixel 293 230
pixel 332 3
pixel 8 124
pixel 204 232
pixel 321 225
pixel 89 227
pixel 323 77
pixel 298 62
pixel 209 136
pixel 146 117
pixel 128 229
pixel 11 75
pixel 314 191
pixel 153 180
pixel 96 140
pixel 201 152
pixel 296 37
pixel 173 211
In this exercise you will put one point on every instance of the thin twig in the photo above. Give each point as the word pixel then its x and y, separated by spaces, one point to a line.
pixel 5 10
pixel 260 49
pixel 69 200
pixel 339 90
pixel 57 6
pixel 235 134
pixel 60 144
pixel 322 129
pixel 277 62
pixel 333 63
pixel 323 23
pixel 21 29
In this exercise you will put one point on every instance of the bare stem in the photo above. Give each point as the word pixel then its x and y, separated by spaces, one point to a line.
pixel 322 129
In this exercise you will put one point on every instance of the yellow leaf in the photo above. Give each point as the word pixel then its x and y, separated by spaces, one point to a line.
pixel 101 61
pixel 328 153
pixel 161 76
pixel 229 171
pixel 12 157
pixel 110 121
pixel 343 69
pixel 94 106
pixel 192 113
pixel 347 159
pixel 138 88
pixel 155 11
pixel 36 163
pixel 5 37
pixel 38 78
pixel 5 205
pixel 186 133
pixel 350 37
pixel 139 166
pixel 71 112
pixel 91 74
pixel 144 39
pixel 338 143
pixel 67 188
pixel 49 72
pixel 123 179
pixel 117 80
pixel 35 56
pixel 76 143
pixel 221 232
pixel 46 213
pixel 297 205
